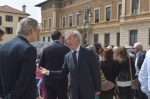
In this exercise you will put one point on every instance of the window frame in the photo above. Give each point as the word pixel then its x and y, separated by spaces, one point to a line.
pixel 96 38
pixel 63 25
pixel 10 31
pixel 70 22
pixel 50 24
pixel 105 42
pixel 77 18
pixel 106 6
pixel 9 18
pixel 119 10
pixel 131 7
pixel 98 8
pixel 44 23
pixel 131 32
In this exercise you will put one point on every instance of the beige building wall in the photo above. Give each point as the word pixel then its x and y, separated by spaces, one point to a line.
pixel 13 24
pixel 128 21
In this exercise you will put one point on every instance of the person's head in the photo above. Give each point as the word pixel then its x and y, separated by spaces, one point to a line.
pixel 108 54
pixel 92 47
pixel 56 35
pixel 29 28
pixel 98 47
pixel 1 34
pixel 148 47
pixel 137 47
pixel 72 39
pixel 109 47
pixel 120 54
pixel 115 48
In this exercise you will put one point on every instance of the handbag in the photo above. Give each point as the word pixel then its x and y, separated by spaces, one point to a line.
pixel 134 84
pixel 105 84
pixel 103 79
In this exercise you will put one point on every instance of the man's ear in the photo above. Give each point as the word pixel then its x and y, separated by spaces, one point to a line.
pixel 31 31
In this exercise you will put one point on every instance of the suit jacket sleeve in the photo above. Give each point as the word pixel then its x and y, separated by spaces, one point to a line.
pixel 132 66
pixel 42 59
pixel 61 73
pixel 95 70
pixel 141 59
pixel 27 70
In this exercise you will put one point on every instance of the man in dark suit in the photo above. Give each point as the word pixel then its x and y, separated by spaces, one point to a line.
pixel 140 56
pixel 2 31
pixel 52 59
pixel 83 67
pixel 18 62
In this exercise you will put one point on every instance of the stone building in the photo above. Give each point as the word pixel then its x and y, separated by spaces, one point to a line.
pixel 9 18
pixel 117 22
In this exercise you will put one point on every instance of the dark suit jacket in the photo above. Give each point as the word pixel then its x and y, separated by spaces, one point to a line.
pixel 17 69
pixel 52 59
pixel 141 59
pixel 85 77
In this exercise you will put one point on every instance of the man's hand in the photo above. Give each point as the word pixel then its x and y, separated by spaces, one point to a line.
pixel 43 71
pixel 97 92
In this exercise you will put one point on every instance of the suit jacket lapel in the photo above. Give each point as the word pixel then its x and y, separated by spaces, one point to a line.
pixel 81 55
pixel 71 59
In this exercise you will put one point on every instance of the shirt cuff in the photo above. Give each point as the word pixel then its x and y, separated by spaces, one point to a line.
pixel 47 73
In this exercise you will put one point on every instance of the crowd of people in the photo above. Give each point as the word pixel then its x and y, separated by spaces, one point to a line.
pixel 70 71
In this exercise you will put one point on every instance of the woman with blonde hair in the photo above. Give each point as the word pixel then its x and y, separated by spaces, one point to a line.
pixel 123 72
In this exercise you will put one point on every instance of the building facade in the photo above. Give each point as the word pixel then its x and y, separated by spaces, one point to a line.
pixel 117 22
pixel 9 18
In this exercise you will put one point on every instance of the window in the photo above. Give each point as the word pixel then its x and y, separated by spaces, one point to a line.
pixel 64 22
pixel 49 39
pixel 0 20
pixel 95 38
pixel 107 39
pixel 78 19
pixel 119 11
pixel 70 21
pixel 20 18
pixel 44 24
pixel 133 36
pixel 50 22
pixel 108 10
pixel 9 18
pixel 97 16
pixel 135 6
pixel 44 39
pixel 9 30
pixel 118 39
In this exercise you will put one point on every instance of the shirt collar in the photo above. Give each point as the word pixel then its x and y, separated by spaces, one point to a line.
pixel 138 54
pixel 78 48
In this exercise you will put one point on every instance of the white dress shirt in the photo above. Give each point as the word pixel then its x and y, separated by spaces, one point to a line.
pixel 144 75
pixel 77 53
pixel 136 67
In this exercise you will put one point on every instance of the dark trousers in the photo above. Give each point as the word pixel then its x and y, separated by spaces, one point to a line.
pixel 52 92
pixel 80 96
pixel 107 94
pixel 126 92
pixel 1 89
pixel 140 94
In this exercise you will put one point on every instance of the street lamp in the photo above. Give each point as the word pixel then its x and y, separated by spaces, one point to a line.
pixel 87 13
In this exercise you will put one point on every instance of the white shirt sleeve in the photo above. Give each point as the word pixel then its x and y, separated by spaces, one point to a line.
pixel 144 75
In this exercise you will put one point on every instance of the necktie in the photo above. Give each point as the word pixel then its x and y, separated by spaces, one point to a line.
pixel 74 58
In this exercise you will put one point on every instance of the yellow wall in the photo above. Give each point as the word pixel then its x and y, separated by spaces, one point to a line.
pixel 13 24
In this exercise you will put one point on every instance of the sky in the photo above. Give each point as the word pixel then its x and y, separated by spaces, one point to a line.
pixel 35 12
